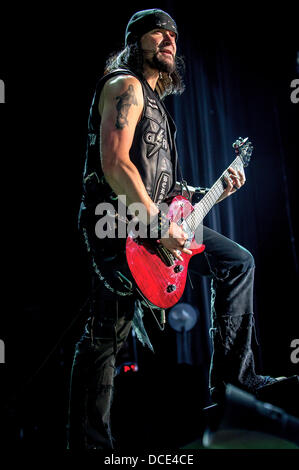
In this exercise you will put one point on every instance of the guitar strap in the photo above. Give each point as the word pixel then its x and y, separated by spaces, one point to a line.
pixel 183 182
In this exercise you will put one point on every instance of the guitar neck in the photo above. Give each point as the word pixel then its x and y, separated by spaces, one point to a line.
pixel 204 206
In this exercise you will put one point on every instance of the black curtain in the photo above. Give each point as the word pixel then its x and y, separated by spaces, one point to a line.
pixel 239 66
pixel 239 85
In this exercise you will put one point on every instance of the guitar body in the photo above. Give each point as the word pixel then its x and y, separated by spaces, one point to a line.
pixel 161 284
pixel 160 276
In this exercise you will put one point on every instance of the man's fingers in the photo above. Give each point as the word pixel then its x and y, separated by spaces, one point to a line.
pixel 237 183
pixel 229 185
pixel 177 253
pixel 240 175
pixel 233 183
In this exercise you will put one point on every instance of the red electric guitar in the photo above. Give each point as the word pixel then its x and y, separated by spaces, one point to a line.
pixel 160 276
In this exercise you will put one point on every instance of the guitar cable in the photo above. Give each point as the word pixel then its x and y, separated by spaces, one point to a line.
pixel 160 324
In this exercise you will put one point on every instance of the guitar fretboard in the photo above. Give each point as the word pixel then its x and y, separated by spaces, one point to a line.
pixel 202 208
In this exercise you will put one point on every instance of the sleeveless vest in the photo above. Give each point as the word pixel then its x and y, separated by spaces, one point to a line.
pixel 153 150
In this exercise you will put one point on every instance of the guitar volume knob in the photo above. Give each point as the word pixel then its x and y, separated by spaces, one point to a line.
pixel 171 288
pixel 178 268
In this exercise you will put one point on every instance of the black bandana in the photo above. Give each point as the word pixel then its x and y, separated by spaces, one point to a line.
pixel 144 21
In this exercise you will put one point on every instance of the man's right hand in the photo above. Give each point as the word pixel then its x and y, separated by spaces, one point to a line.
pixel 175 240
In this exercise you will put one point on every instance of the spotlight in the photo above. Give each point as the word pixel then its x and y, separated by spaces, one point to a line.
pixel 182 318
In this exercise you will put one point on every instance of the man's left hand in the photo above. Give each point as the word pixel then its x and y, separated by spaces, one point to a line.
pixel 234 182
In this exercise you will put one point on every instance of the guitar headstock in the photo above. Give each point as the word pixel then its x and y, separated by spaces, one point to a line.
pixel 244 149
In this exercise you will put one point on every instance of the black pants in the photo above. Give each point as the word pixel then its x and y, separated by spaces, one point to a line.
pixel 231 269
pixel 93 372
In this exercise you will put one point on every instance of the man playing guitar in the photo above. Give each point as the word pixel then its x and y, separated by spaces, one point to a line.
pixel 131 152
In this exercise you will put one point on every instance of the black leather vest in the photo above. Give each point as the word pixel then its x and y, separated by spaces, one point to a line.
pixel 153 150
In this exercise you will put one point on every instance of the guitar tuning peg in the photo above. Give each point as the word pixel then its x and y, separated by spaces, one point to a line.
pixel 237 143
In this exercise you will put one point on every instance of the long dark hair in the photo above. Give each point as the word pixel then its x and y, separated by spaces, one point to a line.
pixel 131 57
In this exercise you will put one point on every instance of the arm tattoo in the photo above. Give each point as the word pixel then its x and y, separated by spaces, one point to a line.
pixel 123 104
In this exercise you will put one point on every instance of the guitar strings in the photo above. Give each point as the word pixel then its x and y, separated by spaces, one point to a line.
pixel 206 203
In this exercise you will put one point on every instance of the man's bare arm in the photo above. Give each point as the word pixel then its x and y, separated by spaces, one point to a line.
pixel 121 105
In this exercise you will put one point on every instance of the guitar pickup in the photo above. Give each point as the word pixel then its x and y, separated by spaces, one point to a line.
pixel 165 255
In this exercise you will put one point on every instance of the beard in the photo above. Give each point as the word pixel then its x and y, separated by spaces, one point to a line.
pixel 160 64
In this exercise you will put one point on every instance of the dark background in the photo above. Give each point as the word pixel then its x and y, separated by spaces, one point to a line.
pixel 239 66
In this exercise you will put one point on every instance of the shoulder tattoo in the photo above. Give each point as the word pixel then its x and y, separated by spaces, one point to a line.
pixel 124 101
